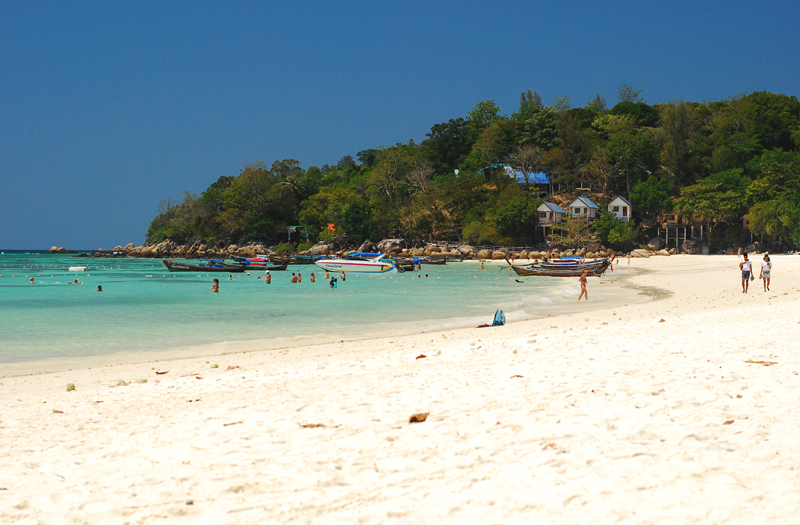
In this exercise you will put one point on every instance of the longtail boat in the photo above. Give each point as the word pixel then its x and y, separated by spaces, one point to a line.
pixel 206 265
pixel 574 268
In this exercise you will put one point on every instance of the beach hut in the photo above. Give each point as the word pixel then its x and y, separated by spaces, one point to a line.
pixel 620 209
pixel 550 213
pixel 583 208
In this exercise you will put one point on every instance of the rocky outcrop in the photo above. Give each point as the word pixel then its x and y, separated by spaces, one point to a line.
pixel 484 254
pixel 692 247
pixel 655 243
pixel 640 253
pixel 391 245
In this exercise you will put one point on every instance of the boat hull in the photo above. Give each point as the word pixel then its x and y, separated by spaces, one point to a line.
pixel 355 266
pixel 547 270
pixel 175 266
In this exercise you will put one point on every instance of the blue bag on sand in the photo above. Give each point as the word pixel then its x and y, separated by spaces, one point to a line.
pixel 499 318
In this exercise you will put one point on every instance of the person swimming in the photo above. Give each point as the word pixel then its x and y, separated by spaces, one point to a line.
pixel 99 288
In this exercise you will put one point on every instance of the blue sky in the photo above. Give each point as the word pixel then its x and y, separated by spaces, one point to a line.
pixel 108 107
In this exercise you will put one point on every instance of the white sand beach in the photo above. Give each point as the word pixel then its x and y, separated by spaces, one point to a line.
pixel 681 410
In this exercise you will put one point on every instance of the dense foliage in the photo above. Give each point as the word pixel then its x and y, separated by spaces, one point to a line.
pixel 718 161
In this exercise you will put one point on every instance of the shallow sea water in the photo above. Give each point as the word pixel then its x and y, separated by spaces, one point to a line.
pixel 144 308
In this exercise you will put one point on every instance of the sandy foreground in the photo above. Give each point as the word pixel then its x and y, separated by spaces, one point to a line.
pixel 679 410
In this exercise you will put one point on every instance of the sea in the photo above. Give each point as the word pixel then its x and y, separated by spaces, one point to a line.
pixel 144 309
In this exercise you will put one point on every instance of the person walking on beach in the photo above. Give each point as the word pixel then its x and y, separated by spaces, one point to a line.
pixel 746 265
pixel 215 286
pixel 766 268
pixel 582 280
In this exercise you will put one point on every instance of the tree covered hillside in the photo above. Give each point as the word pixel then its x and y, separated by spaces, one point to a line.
pixel 717 160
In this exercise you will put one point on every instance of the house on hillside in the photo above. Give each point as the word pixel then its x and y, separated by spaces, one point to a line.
pixel 583 208
pixel 540 180
pixel 620 208
pixel 550 213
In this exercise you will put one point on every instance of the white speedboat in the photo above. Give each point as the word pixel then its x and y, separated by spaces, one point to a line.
pixel 359 262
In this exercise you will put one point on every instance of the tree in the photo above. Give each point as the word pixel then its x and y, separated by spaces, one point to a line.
pixel 626 144
pixel 626 93
pixel 481 117
pixel 493 145
pixel 539 128
pixel 612 232
pixel 527 159
pixel 651 197
pixel 678 124
pixel 645 115
pixel 774 197
pixel 601 172
pixel 517 213
pixel 447 145
pixel 598 104
pixel 718 198
pixel 563 103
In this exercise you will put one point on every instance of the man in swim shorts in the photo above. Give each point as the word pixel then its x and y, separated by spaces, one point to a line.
pixel 745 266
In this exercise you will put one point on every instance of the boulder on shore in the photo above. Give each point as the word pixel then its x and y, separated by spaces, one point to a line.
pixel 692 247
pixel 499 255
pixel 391 245
pixel 640 253
pixel 655 243
pixel 484 254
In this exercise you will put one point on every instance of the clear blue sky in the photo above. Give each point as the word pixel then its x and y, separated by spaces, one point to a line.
pixel 108 107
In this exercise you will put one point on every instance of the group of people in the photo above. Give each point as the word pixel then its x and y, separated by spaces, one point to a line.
pixel 296 278
pixel 746 266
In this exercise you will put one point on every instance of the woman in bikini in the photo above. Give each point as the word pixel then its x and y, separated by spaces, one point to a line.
pixel 583 285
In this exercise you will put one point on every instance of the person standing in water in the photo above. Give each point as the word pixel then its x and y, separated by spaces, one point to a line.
pixel 268 278
pixel 766 268
pixel 215 286
pixel 344 278
pixel 582 280
pixel 327 276
pixel 313 277
pixel 294 278
pixel 299 278
pixel 746 265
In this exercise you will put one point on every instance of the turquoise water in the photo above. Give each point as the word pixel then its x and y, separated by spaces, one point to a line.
pixel 144 308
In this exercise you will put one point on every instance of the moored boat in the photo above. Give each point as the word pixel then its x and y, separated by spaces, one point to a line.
pixel 206 265
pixel 559 269
pixel 358 262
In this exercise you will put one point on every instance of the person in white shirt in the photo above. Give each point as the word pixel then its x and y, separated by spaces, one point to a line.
pixel 766 268
pixel 745 266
